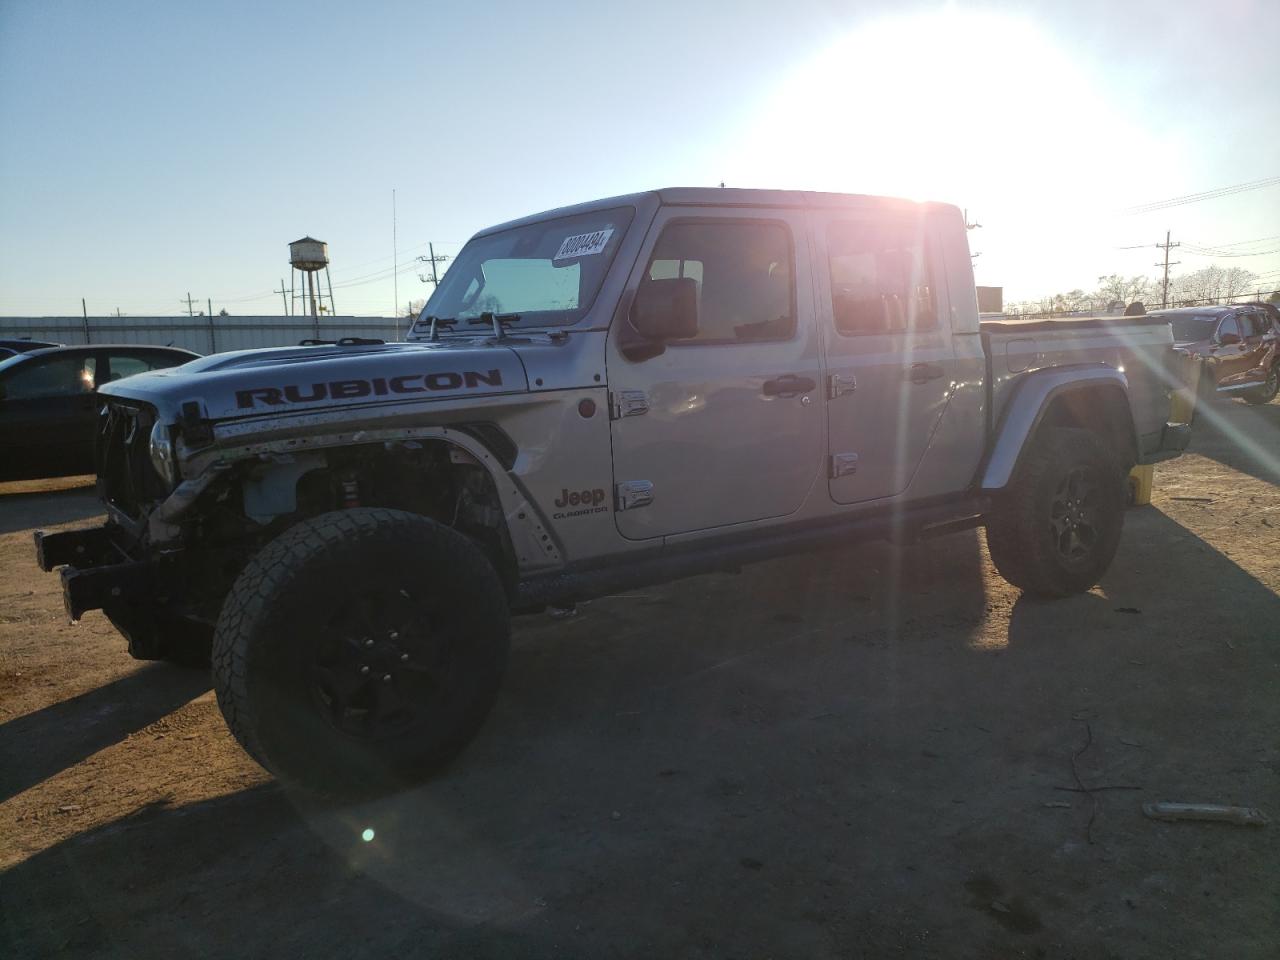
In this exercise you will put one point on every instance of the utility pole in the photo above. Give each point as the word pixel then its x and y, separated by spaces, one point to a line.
pixel 213 342
pixel 1166 247
pixel 189 302
pixel 432 260
pixel 284 299
pixel 395 267
pixel 85 312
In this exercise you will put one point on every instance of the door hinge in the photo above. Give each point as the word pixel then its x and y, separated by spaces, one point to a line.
pixel 843 464
pixel 838 385
pixel 631 494
pixel 628 403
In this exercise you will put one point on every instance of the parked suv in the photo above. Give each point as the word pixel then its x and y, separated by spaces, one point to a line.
pixel 595 398
pixel 1238 348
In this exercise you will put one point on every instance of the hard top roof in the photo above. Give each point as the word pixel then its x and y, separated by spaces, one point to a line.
pixel 730 197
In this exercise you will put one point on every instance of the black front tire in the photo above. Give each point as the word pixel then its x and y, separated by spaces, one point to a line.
pixel 361 650
pixel 1267 392
pixel 1055 531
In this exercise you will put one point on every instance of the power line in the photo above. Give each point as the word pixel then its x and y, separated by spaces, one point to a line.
pixel 1199 252
pixel 1203 195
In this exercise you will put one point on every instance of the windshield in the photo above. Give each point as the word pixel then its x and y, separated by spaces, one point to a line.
pixel 1197 326
pixel 547 273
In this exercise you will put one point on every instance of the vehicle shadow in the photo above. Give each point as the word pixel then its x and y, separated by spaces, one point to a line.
pixel 37 745
pixel 536 842
pixel 811 758
pixel 23 509
pixel 1241 436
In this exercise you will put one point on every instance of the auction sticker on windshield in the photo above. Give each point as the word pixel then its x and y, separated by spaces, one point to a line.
pixel 584 244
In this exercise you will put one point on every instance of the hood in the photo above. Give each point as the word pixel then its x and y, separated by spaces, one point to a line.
pixel 279 380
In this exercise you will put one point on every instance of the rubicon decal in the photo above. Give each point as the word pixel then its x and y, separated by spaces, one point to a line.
pixel 587 501
pixel 376 387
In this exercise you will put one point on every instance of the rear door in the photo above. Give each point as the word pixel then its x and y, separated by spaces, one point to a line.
pixel 889 353
pixel 723 428
pixel 1255 325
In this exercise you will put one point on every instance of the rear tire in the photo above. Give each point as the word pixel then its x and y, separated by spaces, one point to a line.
pixel 1267 392
pixel 1055 530
pixel 361 650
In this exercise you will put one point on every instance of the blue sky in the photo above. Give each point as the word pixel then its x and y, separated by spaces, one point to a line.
pixel 151 149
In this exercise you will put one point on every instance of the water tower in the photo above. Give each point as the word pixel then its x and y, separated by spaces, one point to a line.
pixel 308 257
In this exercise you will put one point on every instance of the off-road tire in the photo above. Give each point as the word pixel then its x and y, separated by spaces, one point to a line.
pixel 1023 528
pixel 433 606
pixel 1267 392
pixel 157 636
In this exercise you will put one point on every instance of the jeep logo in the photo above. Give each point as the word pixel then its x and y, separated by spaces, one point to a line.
pixel 587 501
pixel 377 387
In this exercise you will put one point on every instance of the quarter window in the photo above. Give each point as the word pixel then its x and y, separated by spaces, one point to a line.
pixel 881 281
pixel 744 273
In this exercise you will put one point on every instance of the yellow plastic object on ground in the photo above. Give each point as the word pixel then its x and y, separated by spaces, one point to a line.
pixel 1140 480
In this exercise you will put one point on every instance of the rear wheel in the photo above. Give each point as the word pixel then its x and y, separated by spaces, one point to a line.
pixel 1267 392
pixel 361 650
pixel 1055 530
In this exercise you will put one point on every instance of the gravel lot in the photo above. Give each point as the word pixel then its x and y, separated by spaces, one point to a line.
pixel 855 754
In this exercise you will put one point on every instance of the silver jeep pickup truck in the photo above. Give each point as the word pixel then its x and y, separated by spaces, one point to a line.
pixel 596 398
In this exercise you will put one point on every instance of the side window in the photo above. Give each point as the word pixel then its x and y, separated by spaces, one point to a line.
pixel 744 275
pixel 1229 325
pixel 66 376
pixel 1255 324
pixel 881 278
pixel 126 365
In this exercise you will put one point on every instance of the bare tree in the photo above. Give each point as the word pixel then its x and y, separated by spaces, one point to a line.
pixel 1211 284
pixel 1128 289
pixel 1237 280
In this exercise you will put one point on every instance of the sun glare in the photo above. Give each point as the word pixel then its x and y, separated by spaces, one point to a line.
pixel 939 106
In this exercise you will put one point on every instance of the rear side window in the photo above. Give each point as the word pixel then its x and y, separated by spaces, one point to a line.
pixel 881 277
pixel 127 365
pixel 745 277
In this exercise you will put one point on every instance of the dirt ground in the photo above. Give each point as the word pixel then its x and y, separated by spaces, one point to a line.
pixel 858 754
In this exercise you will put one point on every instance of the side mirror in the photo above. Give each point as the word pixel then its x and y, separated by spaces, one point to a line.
pixel 666 309
pixel 1229 338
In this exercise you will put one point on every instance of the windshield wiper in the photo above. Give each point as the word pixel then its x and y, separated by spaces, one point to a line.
pixel 435 323
pixel 496 320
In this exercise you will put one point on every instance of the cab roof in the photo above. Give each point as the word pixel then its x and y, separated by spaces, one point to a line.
pixel 731 197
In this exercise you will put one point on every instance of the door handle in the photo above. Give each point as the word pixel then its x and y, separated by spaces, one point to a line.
pixel 789 385
pixel 924 372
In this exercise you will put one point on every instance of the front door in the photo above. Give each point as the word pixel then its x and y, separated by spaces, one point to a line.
pixel 725 427
pixel 889 353
pixel 1233 354
pixel 48 413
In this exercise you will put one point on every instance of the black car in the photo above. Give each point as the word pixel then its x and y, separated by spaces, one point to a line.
pixel 9 347
pixel 23 345
pixel 49 404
